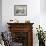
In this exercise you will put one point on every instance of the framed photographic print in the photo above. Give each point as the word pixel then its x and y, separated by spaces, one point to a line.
pixel 20 10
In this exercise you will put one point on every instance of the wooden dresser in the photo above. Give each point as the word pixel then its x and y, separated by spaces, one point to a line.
pixel 22 33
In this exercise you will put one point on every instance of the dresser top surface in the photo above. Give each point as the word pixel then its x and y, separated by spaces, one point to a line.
pixel 19 23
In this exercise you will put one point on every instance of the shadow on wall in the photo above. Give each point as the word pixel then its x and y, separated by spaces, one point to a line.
pixel 43 6
pixel 0 15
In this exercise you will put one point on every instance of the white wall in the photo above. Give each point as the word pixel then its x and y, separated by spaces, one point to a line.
pixel 43 14
pixel 33 10
pixel 0 15
pixel 43 6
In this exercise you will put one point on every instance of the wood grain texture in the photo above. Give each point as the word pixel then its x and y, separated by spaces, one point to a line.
pixel 23 27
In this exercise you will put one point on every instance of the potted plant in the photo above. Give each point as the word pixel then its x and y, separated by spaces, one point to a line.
pixel 41 36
